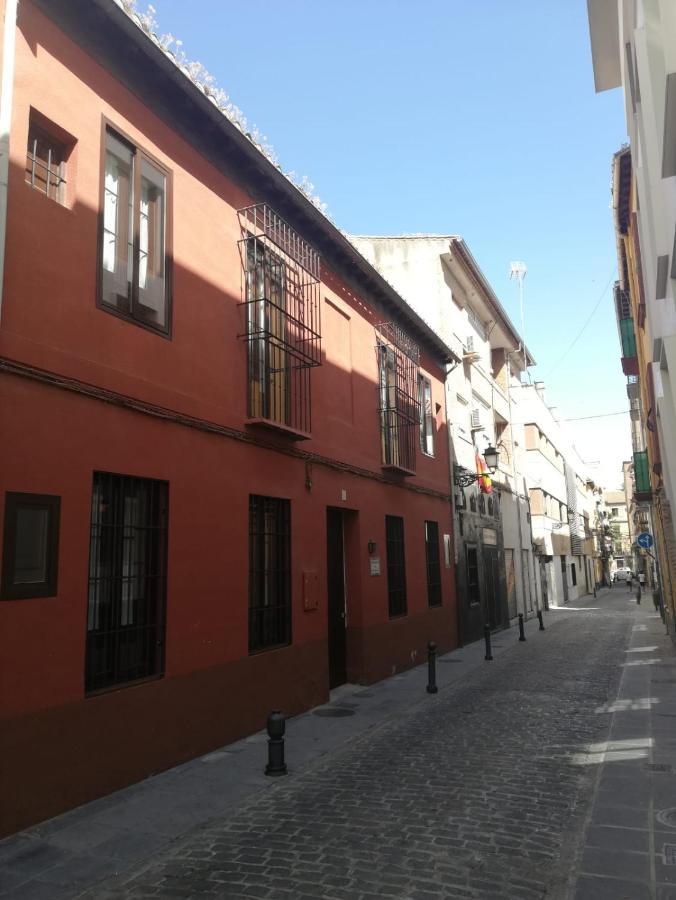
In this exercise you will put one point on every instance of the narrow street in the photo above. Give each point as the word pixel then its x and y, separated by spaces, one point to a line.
pixel 528 777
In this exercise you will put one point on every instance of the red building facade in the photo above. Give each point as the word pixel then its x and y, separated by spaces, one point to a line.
pixel 224 467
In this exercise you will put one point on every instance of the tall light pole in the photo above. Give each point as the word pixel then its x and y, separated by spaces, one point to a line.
pixel 518 270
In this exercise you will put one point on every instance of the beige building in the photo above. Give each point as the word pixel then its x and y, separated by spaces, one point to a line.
pixel 618 519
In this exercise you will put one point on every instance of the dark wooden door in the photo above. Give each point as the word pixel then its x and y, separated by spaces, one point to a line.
pixel 335 565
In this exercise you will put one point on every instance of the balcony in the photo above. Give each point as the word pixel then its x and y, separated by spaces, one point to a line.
pixel 628 341
pixel 399 359
pixel 281 278
pixel 642 485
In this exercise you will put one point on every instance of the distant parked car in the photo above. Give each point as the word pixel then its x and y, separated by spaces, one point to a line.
pixel 622 574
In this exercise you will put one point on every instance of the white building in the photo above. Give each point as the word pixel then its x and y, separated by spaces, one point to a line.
pixel 441 280
pixel 562 501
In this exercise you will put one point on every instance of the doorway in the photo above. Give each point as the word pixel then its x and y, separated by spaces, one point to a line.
pixel 564 578
pixel 337 607
pixel 492 587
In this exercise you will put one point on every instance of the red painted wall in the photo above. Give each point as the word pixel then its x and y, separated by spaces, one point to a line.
pixel 54 438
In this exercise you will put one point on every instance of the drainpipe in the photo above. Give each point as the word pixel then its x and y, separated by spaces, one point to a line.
pixel 6 91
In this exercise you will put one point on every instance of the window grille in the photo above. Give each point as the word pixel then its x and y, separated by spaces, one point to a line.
pixel 127 580
pixel 396 566
pixel 469 343
pixel 46 163
pixel 269 572
pixel 477 422
pixel 398 359
pixel 473 589
pixel 476 323
pixel 433 563
pixel 281 302
pixel 622 302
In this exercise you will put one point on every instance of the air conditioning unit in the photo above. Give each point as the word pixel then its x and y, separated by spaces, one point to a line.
pixel 469 352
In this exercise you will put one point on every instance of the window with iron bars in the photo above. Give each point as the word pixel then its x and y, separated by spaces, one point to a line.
pixel 127 580
pixel 433 563
pixel 396 566
pixel 46 163
pixel 269 573
pixel 398 359
pixel 281 280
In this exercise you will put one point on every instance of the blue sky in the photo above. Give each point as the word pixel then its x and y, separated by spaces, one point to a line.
pixel 478 119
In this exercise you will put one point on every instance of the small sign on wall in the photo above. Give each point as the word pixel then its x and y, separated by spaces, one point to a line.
pixel 310 590
pixel 375 565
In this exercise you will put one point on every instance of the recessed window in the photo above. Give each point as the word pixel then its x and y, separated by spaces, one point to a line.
pixel 134 272
pixel 47 153
pixel 433 563
pixel 396 566
pixel 426 415
pixel 31 546
pixel 269 573
pixel 127 580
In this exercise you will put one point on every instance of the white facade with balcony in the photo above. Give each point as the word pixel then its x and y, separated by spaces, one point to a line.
pixel 441 280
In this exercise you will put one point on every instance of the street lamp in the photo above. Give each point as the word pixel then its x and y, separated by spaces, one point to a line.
pixel 463 477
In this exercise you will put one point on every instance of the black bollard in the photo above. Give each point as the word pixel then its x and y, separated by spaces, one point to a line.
pixel 522 636
pixel 487 638
pixel 542 624
pixel 638 594
pixel 276 726
pixel 432 668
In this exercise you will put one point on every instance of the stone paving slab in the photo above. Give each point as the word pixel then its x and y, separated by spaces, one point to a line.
pixel 480 794
pixel 119 830
pixel 538 775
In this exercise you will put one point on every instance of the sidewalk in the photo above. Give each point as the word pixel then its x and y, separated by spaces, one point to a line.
pixel 70 854
pixel 629 850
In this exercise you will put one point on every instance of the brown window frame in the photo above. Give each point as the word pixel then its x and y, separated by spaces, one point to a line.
pixel 139 155
pixel 9 590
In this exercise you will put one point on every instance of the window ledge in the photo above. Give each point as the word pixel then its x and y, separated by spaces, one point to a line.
pixel 401 470
pixel 293 434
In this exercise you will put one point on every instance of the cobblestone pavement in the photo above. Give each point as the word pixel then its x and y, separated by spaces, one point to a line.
pixel 474 793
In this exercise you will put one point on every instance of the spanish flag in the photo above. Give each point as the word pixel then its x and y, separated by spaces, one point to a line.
pixel 485 483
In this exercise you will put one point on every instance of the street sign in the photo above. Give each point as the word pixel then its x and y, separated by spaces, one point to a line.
pixel 645 540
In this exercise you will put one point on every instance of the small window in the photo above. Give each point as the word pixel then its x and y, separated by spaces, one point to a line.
pixel 433 563
pixel 426 416
pixel 46 159
pixel 134 280
pixel 396 566
pixel 30 555
pixel 472 502
pixel 473 590
pixel 269 573
pixel 573 573
pixel 482 504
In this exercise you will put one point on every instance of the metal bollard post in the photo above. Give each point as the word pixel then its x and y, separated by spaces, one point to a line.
pixel 522 636
pixel 487 638
pixel 276 726
pixel 432 668
pixel 638 594
pixel 542 624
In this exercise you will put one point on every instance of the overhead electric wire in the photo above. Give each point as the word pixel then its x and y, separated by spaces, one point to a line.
pixel 622 412
pixel 581 331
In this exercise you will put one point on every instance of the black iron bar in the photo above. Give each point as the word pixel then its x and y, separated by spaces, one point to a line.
pixel 522 636
pixel 487 638
pixel 542 624
pixel 276 726
pixel 432 668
